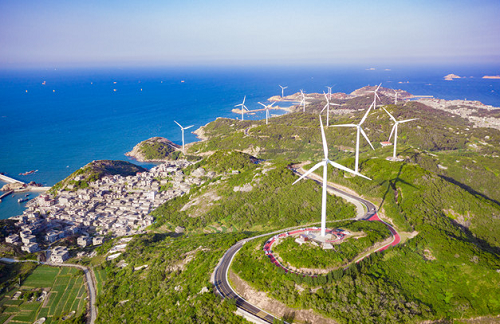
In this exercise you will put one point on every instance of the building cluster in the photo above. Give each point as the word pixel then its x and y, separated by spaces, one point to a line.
pixel 114 205
pixel 467 109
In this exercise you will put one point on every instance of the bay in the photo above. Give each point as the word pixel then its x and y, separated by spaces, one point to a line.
pixel 57 120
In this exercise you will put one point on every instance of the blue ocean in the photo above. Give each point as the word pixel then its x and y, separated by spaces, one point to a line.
pixel 57 120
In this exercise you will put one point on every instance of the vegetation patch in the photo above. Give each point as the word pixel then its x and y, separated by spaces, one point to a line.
pixel 94 171
pixel 312 256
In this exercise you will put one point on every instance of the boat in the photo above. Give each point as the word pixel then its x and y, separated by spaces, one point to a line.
pixel 21 200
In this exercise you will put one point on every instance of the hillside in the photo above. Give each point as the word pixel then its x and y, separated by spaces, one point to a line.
pixel 442 197
pixel 94 171
pixel 155 149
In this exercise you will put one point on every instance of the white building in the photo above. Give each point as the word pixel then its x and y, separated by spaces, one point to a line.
pixel 82 241
pixel 59 254
pixel 30 247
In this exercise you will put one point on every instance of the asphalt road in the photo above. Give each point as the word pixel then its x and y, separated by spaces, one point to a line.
pixel 221 271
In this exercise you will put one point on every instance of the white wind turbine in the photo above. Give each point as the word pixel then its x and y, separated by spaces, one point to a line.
pixel 303 101
pixel 182 129
pixel 396 97
pixel 267 107
pixel 358 130
pixel 243 107
pixel 282 91
pixel 327 107
pixel 324 163
pixel 375 96
pixel 395 131
pixel 330 91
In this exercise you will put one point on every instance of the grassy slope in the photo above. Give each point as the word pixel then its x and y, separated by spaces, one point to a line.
pixel 454 266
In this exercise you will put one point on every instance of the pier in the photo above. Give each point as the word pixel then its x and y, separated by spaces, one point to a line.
pixel 6 194
pixel 7 179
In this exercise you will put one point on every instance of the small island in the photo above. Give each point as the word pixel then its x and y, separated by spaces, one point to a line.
pixel 452 76
pixel 493 77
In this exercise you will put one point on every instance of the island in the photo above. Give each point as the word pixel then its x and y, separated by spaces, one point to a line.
pixel 450 77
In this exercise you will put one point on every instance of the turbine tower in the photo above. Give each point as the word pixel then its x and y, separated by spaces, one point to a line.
pixel 267 109
pixel 358 130
pixel 182 129
pixel 243 107
pixel 324 163
pixel 327 107
pixel 282 90
pixel 395 131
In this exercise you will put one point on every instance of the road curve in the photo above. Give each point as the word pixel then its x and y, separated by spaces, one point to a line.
pixel 221 271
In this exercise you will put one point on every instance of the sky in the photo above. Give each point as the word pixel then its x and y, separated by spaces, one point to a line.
pixel 245 33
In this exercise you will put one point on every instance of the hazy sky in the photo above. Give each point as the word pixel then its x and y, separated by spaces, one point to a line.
pixel 123 32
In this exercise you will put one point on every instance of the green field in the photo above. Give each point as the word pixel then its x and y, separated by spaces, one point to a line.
pixel 66 293
pixel 100 276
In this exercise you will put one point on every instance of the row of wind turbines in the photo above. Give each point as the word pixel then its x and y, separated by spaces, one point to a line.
pixel 324 163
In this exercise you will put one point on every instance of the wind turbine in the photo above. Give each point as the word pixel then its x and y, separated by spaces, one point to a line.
pixel 243 107
pixel 182 129
pixel 327 107
pixel 282 89
pixel 324 163
pixel 358 130
pixel 267 107
pixel 395 131
pixel 303 101
pixel 375 96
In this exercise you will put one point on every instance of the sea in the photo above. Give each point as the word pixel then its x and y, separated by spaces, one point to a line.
pixel 59 119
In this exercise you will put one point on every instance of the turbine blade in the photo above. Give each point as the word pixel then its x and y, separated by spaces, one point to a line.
pixel 392 117
pixel 325 147
pixel 244 98
pixel 178 124
pixel 272 104
pixel 341 167
pixel 323 108
pixel 405 121
pixel 366 115
pixel 378 87
pixel 311 170
pixel 188 127
pixel 345 125
pixel 392 131
pixel 366 137
pixel 260 103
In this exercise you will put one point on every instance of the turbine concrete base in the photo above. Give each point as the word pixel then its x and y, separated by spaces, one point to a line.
pixel 393 159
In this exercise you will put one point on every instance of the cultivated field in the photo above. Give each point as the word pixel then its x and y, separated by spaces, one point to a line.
pixel 64 292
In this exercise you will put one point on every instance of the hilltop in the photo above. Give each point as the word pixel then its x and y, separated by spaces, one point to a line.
pixel 94 171
pixel 155 149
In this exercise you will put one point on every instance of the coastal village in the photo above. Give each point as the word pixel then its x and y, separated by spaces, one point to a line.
pixel 112 206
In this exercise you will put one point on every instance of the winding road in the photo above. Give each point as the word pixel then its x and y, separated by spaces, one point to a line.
pixel 221 271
